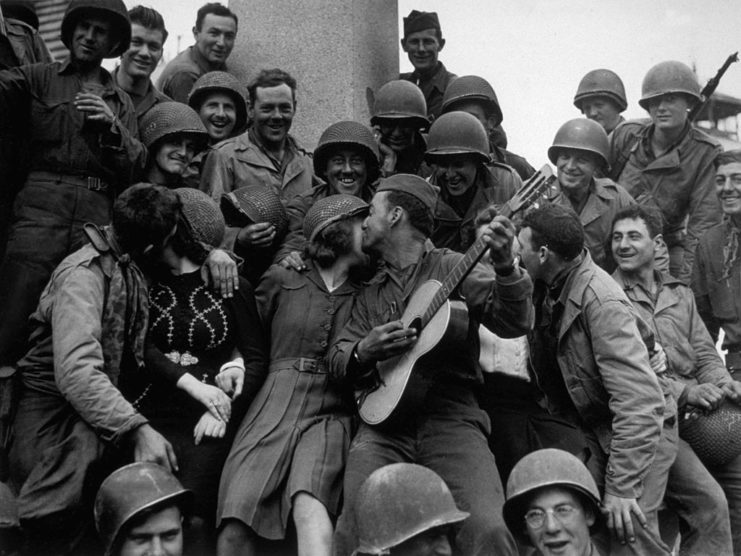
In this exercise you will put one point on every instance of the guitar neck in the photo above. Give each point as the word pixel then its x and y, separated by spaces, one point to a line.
pixel 525 197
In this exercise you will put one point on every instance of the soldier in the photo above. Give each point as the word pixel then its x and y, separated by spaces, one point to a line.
pixel 579 151
pixel 553 504
pixel 458 150
pixel 215 32
pixel 405 509
pixel 148 36
pixel 83 151
pixel 423 40
pixel 668 163
pixel 600 96
pixel 447 430
pixel 593 367
pixel 695 377
pixel 399 117
pixel 218 97
pixel 265 155
pixel 139 511
pixel 473 94
pixel 346 158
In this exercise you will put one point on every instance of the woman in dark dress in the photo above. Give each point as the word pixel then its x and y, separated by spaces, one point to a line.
pixel 289 454
pixel 205 360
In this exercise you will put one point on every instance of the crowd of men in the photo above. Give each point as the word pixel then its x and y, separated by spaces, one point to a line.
pixel 562 418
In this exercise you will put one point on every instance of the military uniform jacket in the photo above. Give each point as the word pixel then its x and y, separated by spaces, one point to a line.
pixel 433 87
pixel 679 183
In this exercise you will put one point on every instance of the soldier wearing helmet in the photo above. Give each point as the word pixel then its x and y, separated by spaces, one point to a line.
pixel 399 117
pixel 83 152
pixel 404 509
pixel 668 163
pixel 141 58
pixel 458 150
pixel 423 40
pixel 696 378
pixel 600 96
pixel 140 510
pixel 473 94
pixel 593 367
pixel 446 429
pixel 219 99
pixel 173 134
pixel 347 160
pixel 553 504
pixel 579 152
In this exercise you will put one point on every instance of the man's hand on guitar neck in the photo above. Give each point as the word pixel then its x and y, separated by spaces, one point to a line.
pixel 384 341
pixel 499 235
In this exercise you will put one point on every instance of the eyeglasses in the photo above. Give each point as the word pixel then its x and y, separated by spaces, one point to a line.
pixel 536 518
pixel 721 179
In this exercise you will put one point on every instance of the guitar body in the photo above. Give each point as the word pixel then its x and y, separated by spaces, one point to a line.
pixel 449 325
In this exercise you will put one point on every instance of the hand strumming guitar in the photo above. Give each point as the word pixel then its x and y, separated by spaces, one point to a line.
pixel 384 341
pixel 500 235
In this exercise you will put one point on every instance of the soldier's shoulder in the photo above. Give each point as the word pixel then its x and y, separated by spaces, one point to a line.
pixel 702 137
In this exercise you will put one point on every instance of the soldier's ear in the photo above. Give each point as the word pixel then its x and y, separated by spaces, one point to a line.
pixel 441 41
pixel 404 44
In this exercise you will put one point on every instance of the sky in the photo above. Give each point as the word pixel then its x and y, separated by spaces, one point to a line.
pixel 534 52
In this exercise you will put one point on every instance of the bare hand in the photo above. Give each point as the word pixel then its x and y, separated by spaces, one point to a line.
pixel 293 260
pixel 257 235
pixel 231 381
pixel 220 271
pixel 213 398
pixel 706 396
pixel 94 108
pixel 499 235
pixel 388 155
pixel 733 390
pixel 658 359
pixel 619 512
pixel 151 446
pixel 385 341
pixel 208 426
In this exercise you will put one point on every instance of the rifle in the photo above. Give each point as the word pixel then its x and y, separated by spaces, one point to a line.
pixel 709 89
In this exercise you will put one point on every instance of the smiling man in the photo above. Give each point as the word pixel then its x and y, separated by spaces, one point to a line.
pixel 601 97
pixel 423 40
pixel 83 152
pixel 148 36
pixel 215 32
pixel 265 155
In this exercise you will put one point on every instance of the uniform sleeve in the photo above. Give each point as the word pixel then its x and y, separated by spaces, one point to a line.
pixel 78 356
pixel 704 211
pixel 122 150
pixel 710 367
pixel 296 211
pixel 700 290
pixel 636 401
pixel 341 366
pixel 15 88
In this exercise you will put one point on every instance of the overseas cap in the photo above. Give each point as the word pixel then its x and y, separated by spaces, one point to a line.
pixel 253 204
pixel 332 209
pixel 419 21
pixel 411 185
pixel 220 82
pixel 203 215
pixel 169 118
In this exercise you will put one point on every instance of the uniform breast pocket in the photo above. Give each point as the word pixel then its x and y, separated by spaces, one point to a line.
pixel 53 119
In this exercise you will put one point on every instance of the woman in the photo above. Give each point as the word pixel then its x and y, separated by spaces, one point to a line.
pixel 289 453
pixel 173 134
pixel 205 359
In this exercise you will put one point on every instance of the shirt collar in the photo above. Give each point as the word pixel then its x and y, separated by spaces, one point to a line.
pixel 437 78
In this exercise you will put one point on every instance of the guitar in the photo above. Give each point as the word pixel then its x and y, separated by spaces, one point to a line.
pixel 436 319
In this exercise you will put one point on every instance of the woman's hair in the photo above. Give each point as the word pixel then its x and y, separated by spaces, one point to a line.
pixel 331 243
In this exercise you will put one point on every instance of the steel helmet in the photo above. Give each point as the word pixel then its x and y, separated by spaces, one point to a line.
pixel 549 467
pixel 472 87
pixel 220 82
pixel 348 134
pixel 584 135
pixel 400 501
pixel 169 118
pixel 601 83
pixel 400 99
pixel 24 10
pixel 203 216
pixel 715 436
pixel 669 77
pixel 457 133
pixel 131 489
pixel 113 10
pixel 252 204
pixel 332 209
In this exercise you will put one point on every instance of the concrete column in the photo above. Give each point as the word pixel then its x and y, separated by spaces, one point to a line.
pixel 334 48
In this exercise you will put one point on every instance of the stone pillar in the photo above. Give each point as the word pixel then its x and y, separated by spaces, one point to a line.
pixel 334 48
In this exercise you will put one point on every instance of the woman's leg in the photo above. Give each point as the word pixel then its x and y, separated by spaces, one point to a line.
pixel 313 526
pixel 236 539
